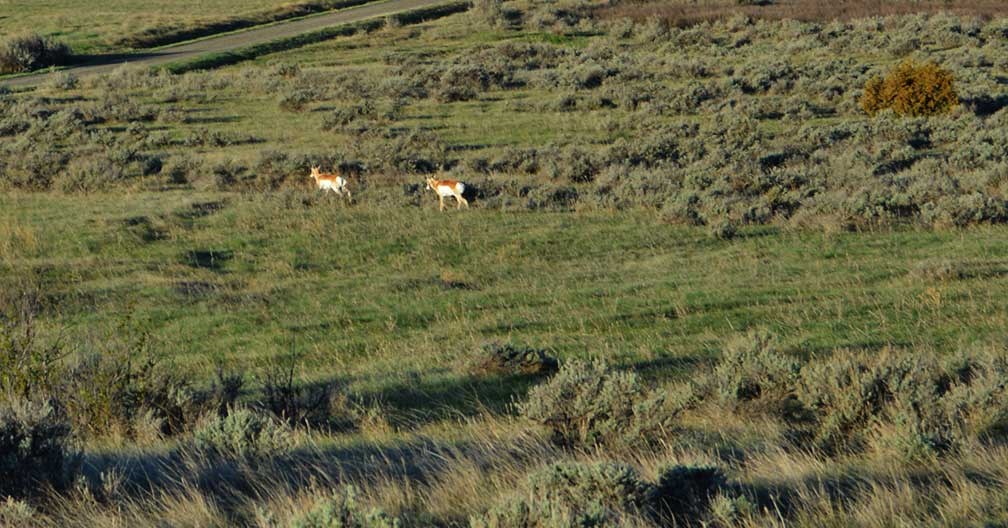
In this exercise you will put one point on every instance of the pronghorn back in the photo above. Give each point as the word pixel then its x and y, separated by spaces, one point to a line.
pixel 328 181
pixel 446 187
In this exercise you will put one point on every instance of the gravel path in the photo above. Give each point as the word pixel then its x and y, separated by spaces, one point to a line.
pixel 231 41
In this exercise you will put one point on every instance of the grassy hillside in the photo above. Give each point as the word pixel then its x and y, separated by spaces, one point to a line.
pixel 373 292
pixel 768 308
pixel 98 27
pixel 740 122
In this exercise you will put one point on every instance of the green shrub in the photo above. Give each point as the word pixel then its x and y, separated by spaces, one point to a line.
pixel 489 12
pixel 242 433
pixel 723 229
pixel 343 118
pixel 732 511
pixel 181 170
pixel 849 392
pixel 107 392
pixel 976 396
pixel 296 100
pixel 576 494
pixel 63 81
pixel 18 513
pixel 35 451
pixel 343 510
pixel 551 197
pixel 587 404
pixel 752 369
pixel 571 164
pixel 122 391
pixel 28 367
pixel 227 174
pixel 31 51
pixel 911 89
pixel 505 358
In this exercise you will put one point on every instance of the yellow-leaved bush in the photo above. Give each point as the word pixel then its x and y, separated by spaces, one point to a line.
pixel 911 89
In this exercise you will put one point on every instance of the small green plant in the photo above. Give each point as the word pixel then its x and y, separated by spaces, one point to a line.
pixel 911 89
pixel 343 510
pixel 243 433
pixel 731 511
pixel 576 494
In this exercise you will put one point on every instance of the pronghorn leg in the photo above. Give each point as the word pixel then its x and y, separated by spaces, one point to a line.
pixel 440 203
pixel 460 201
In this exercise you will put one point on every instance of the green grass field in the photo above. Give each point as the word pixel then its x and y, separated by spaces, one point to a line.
pixel 653 197
pixel 379 296
pixel 99 27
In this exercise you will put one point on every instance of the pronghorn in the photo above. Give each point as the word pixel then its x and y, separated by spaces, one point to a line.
pixel 330 182
pixel 445 188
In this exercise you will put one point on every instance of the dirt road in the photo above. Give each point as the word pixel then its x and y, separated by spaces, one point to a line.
pixel 231 41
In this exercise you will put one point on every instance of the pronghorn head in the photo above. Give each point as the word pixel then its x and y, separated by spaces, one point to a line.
pixel 432 183
pixel 315 172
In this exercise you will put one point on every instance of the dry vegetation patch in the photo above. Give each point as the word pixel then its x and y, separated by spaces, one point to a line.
pixel 682 13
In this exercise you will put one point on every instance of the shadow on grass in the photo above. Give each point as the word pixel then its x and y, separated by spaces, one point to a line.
pixel 420 401
pixel 213 259
pixel 238 485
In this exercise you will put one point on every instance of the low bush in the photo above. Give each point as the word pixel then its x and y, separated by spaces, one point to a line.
pixel 35 448
pixel 570 164
pixel 28 367
pixel 850 390
pixel 31 51
pixel 343 510
pixel 684 492
pixel 505 358
pixel 489 13
pixel 118 389
pixel 587 404
pixel 911 89
pixel 751 369
pixel 242 433
pixel 576 494
pixel 182 170
pixel 295 402
pixel 124 392
pixel 64 81
pixel 18 513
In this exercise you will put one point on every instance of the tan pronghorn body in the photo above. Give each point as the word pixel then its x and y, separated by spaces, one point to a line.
pixel 445 188
pixel 330 182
